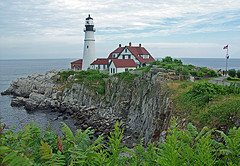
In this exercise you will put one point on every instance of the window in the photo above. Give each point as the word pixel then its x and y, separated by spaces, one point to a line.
pixel 113 55
pixel 125 49
pixel 104 67
pixel 113 70
pixel 145 56
pixel 123 57
pixel 126 69
pixel 98 66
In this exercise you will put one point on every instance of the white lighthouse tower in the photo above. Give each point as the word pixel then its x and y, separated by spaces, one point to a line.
pixel 89 44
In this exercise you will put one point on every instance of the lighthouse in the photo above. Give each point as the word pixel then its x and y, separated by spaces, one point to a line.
pixel 89 44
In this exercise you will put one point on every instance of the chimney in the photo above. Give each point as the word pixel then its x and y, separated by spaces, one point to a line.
pixel 120 45
pixel 130 44
pixel 140 45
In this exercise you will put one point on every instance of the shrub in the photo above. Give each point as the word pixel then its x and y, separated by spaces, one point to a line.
pixel 167 59
pixel 238 74
pixel 177 61
pixel 193 73
pixel 185 72
pixel 212 73
pixel 232 72
pixel 233 79
pixel 200 74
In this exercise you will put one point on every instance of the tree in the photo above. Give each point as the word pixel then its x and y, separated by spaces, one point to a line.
pixel 232 72
pixel 238 73
pixel 167 59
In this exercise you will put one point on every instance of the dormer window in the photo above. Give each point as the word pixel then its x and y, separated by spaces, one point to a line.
pixel 145 56
pixel 114 55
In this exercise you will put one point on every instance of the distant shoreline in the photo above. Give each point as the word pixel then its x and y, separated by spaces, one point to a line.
pixel 81 57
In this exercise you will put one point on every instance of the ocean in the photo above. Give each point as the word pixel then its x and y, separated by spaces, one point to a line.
pixel 16 118
pixel 12 69
pixel 214 63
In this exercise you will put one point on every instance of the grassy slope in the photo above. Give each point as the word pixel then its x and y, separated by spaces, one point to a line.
pixel 222 111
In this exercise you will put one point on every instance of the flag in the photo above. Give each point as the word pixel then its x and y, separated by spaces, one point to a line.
pixel 225 47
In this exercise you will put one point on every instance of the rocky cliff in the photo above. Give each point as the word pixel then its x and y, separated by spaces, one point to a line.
pixel 143 104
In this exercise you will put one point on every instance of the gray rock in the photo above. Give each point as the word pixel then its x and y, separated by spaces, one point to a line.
pixel 38 98
pixel 143 106
pixel 18 102
pixel 30 105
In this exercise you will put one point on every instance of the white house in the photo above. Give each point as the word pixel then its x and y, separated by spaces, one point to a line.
pixel 138 53
pixel 121 65
pixel 100 64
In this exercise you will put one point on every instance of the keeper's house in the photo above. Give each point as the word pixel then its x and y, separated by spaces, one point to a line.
pixel 128 57
pixel 100 64
pixel 120 60
pixel 121 65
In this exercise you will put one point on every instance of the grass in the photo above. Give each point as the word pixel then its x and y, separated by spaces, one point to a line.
pixel 91 78
pixel 126 76
pixel 206 104
pixel 233 79
pixel 176 65
pixel 94 79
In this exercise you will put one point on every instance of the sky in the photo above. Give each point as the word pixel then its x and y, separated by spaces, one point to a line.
pixel 49 29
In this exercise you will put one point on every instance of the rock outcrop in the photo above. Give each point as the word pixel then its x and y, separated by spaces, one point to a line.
pixel 143 105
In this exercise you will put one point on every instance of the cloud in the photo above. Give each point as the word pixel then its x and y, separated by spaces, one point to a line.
pixel 145 21
pixel 170 17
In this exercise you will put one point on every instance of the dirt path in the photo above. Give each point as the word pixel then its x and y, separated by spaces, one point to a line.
pixel 220 81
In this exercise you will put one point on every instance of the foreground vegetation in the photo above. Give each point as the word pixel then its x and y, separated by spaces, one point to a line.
pixel 186 146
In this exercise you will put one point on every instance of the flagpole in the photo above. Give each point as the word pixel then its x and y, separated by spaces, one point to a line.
pixel 227 62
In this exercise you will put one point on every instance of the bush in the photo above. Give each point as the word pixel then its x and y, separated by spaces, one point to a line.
pixel 181 69
pixel 233 79
pixel 167 59
pixel 193 73
pixel 232 72
pixel 212 73
pixel 238 74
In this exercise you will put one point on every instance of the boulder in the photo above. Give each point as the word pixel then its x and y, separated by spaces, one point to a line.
pixel 38 98
pixel 18 102
pixel 30 105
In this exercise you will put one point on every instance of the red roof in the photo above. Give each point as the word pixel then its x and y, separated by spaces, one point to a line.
pixel 79 61
pixel 122 63
pixel 100 61
pixel 77 64
pixel 138 51
pixel 118 50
